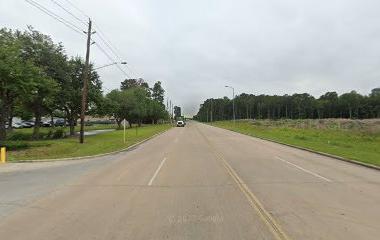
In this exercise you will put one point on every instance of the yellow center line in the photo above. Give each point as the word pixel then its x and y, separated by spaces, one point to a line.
pixel 273 226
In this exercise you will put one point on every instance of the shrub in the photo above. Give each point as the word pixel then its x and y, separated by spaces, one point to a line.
pixel 17 145
pixel 19 136
pixel 59 133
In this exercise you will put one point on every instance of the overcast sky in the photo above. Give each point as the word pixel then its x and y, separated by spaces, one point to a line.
pixel 197 47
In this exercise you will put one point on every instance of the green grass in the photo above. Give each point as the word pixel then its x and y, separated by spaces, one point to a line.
pixel 353 144
pixel 69 147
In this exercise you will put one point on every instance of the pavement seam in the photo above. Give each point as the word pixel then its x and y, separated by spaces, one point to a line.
pixel 273 226
pixel 92 156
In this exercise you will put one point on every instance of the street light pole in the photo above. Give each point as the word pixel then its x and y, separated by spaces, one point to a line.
pixel 233 102
pixel 111 64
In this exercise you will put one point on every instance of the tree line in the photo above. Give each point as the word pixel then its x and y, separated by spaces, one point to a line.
pixel 37 79
pixel 297 106
pixel 136 102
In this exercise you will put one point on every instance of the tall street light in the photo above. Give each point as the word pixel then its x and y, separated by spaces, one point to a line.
pixel 233 101
pixel 111 64
pixel 84 94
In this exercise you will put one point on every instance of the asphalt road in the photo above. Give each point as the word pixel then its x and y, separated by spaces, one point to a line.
pixel 197 182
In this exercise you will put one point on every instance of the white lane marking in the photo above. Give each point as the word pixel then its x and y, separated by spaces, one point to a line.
pixel 155 174
pixel 305 170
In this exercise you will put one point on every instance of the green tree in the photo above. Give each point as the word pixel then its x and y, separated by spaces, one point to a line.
pixel 158 93
pixel 17 76
pixel 70 96
pixel 133 83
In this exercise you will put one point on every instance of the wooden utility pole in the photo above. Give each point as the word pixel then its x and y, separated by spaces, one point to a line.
pixel 86 75
pixel 212 110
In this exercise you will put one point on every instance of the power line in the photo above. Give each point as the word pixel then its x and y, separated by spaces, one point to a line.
pixel 67 11
pixel 77 29
pixel 77 8
pixel 111 59
pixel 111 47
pixel 109 44
pixel 56 17
pixel 104 39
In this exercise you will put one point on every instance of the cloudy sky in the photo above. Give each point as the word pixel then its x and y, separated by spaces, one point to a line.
pixel 197 47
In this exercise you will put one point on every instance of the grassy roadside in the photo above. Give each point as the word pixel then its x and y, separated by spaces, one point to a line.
pixel 97 144
pixel 356 144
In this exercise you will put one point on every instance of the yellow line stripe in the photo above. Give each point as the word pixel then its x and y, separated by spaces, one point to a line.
pixel 274 227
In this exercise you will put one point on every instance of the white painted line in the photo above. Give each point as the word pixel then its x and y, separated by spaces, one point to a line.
pixel 155 174
pixel 305 170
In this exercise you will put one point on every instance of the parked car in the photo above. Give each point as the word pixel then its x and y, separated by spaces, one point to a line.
pixel 46 124
pixel 59 122
pixel 27 124
pixel 17 125
pixel 180 123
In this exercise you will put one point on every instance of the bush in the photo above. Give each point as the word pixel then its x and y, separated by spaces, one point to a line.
pixel 19 136
pixel 59 133
pixel 18 145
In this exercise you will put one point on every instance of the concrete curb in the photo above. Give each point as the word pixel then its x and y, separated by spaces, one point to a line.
pixel 368 165
pixel 91 156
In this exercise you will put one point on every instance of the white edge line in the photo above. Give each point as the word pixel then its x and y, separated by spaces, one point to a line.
pixel 155 173
pixel 305 170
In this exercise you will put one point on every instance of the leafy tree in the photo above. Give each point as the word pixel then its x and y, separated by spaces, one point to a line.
pixel 158 92
pixel 70 97
pixel 329 105
pixel 133 83
pixel 17 77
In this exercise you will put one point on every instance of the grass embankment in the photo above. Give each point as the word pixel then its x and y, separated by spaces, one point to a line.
pixel 357 140
pixel 97 144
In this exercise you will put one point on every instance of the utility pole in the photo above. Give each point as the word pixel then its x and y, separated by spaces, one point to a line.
pixel 170 112
pixel 86 76
pixel 233 102
pixel 211 109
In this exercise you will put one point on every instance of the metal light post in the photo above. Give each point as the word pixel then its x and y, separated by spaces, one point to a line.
pixel 111 64
pixel 85 88
pixel 233 102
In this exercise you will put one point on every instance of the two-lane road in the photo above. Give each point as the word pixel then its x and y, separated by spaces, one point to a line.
pixel 202 182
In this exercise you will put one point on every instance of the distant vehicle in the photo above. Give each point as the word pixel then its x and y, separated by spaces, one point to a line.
pixel 27 124
pixel 46 124
pixel 17 125
pixel 59 122
pixel 14 125
pixel 180 123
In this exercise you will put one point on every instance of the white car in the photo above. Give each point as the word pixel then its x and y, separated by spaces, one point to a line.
pixel 180 123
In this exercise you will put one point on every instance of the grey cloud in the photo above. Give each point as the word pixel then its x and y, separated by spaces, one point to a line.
pixel 196 47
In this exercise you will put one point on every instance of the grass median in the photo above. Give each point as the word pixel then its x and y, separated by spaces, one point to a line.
pixel 355 140
pixel 96 144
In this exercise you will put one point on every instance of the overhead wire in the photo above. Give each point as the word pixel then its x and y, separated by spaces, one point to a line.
pixel 55 16
pixel 69 12
pixel 112 48
pixel 103 38
pixel 110 58
pixel 77 8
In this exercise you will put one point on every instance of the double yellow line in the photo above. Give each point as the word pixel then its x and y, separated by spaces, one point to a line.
pixel 273 226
